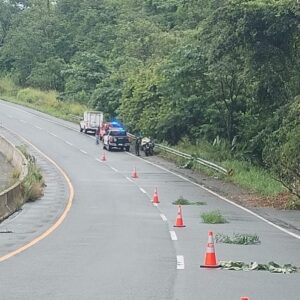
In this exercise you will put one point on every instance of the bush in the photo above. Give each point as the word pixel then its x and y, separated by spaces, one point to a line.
pixel 213 217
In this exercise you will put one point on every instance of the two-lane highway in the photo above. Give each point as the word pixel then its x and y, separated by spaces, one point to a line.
pixel 115 244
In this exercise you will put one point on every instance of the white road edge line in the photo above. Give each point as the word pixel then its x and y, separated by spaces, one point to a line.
pixel 225 199
pixel 180 262
pixel 164 218
pixel 173 235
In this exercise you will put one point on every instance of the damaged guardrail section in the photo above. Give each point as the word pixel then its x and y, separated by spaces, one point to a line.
pixel 12 198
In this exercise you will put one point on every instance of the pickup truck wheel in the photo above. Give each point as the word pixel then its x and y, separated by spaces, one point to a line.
pixel 127 149
pixel 81 129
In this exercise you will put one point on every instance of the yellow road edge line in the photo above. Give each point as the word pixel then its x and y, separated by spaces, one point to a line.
pixel 59 220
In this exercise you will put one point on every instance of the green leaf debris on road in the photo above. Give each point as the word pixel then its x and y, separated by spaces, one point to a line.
pixel 271 267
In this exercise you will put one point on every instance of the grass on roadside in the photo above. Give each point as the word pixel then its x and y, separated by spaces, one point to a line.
pixel 44 101
pixel 244 174
pixel 213 217
pixel 33 183
pixel 254 178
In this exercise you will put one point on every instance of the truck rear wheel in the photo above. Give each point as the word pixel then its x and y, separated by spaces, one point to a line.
pixel 81 129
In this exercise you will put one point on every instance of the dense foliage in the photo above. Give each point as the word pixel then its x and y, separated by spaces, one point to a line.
pixel 198 69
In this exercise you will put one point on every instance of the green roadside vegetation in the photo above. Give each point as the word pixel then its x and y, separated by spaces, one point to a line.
pixel 245 174
pixel 44 101
pixel 213 217
pixel 218 79
pixel 33 183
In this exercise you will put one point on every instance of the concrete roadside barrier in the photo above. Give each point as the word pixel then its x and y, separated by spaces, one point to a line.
pixel 12 198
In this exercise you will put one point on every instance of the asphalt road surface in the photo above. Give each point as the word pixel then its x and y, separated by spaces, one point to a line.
pixel 110 242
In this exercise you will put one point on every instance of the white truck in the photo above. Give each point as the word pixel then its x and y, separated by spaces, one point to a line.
pixel 91 121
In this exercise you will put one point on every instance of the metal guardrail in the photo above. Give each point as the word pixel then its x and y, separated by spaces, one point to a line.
pixel 201 161
pixel 75 118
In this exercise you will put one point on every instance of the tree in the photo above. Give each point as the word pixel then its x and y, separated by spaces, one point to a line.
pixel 281 153
pixel 82 75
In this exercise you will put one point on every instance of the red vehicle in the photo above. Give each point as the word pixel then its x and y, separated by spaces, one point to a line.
pixel 107 126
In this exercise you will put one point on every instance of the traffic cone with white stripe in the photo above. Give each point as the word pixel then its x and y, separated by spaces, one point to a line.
pixel 245 298
pixel 210 255
pixel 155 199
pixel 179 219
pixel 134 173
pixel 103 156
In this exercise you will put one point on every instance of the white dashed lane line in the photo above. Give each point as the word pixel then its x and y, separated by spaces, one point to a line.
pixel 70 144
pixel 23 121
pixel 114 169
pixel 173 235
pixel 143 191
pixel 164 218
pixel 38 127
pixel 53 134
pixel 129 179
pixel 82 151
pixel 180 262
pixel 99 160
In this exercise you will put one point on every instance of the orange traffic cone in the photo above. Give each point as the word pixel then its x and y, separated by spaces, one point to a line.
pixel 103 157
pixel 179 219
pixel 134 173
pixel 245 298
pixel 210 256
pixel 155 197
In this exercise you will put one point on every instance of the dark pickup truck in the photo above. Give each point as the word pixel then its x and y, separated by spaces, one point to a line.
pixel 116 138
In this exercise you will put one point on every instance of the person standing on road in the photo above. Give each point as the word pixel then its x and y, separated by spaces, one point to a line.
pixel 98 135
pixel 138 145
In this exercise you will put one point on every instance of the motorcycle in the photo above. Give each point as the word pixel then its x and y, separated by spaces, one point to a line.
pixel 147 146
